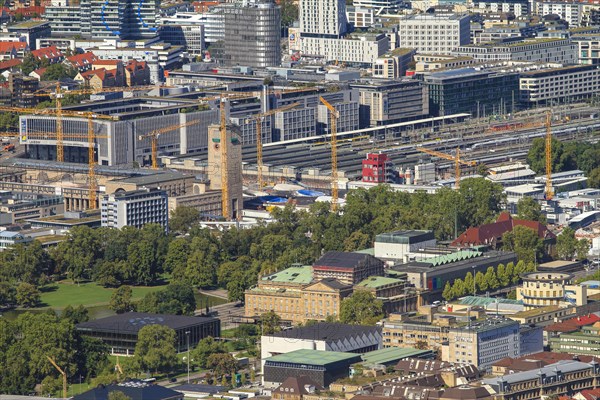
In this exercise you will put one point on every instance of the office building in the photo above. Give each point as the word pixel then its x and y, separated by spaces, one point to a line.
pixel 377 168
pixel 31 30
pixel 123 19
pixel 188 36
pixel 544 50
pixel 559 85
pixel 393 65
pixel 399 245
pixel 469 90
pixel 346 267
pixel 136 209
pixel 120 332
pixel 434 33
pixel 361 17
pixel 253 34
pixel 10 239
pixel 122 142
pixel 386 101
pixel 588 48
pixel 295 124
pixel 348 117
pixel 380 6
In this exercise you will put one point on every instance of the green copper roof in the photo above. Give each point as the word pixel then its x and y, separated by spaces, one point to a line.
pixel 484 301
pixel 300 275
pixel 453 257
pixel 391 354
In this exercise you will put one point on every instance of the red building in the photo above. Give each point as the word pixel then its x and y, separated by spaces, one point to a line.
pixel 377 168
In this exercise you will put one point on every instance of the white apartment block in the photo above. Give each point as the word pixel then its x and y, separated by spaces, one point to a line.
pixel 362 50
pixel 560 51
pixel 326 18
pixel 570 12
pixel 559 84
pixel 135 208
pixel 361 17
pixel 379 6
pixel 434 33
pixel 518 7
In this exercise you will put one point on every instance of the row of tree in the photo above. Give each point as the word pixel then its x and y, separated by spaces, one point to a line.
pixel 175 298
pixel 494 278
pixel 567 156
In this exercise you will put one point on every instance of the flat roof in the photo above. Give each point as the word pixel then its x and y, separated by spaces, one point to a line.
pixel 558 264
pixel 373 282
pixel 326 331
pixel 132 322
pixel 391 354
pixel 154 178
pixel 300 275
pixel 405 236
pixel 340 259
pixel 314 357
pixel 535 312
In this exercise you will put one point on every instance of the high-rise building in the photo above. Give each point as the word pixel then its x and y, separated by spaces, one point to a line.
pixel 124 19
pixel 135 208
pixel 253 34
pixel 323 18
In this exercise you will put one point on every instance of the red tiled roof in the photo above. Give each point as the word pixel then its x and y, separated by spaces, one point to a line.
pixel 49 52
pixel 134 65
pixel 6 47
pixel 83 60
pixel 573 324
pixel 591 394
pixel 490 233
pixel 10 63
pixel 107 62
pixel 28 11
pixel 40 71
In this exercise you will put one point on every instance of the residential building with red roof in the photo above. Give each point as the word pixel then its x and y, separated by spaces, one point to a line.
pixel 50 53
pixel 491 234
pixel 82 62
pixel 10 65
pixel 10 50
pixel 589 394
pixel 137 73
pixel 99 78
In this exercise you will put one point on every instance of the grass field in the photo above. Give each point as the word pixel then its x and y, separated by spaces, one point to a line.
pixel 63 294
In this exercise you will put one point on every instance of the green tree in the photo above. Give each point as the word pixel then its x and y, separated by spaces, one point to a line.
pixel 582 249
pixel 236 289
pixel 525 242
pixel 121 300
pixel 502 275
pixel 566 244
pixel 183 218
pixel 27 295
pixel 448 293
pixel 529 209
pixel 536 157
pixel 30 63
pixel 361 308
pixel 76 314
pixel 593 180
pixel 221 363
pixel 204 349
pixel 50 386
pixel 357 241
pixel 458 288
pixel 7 294
pixel 469 283
pixel 270 323
pixel 289 13
pixel 155 348
pixel 491 278
pixel 480 282
pixel 177 255
pixel 483 200
pixel 177 298
pixel 57 72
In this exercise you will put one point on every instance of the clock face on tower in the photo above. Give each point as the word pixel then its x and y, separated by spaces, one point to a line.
pixel 216 146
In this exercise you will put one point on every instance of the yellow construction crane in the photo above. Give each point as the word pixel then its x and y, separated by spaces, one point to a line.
pixel 333 116
pixel 457 162
pixel 63 373
pixel 118 368
pixel 549 188
pixel 58 96
pixel 224 163
pixel 156 133
pixel 258 119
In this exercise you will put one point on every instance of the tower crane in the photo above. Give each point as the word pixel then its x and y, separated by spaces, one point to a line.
pixel 457 162
pixel 333 116
pixel 153 135
pixel 59 95
pixel 549 188
pixel 63 373
pixel 259 119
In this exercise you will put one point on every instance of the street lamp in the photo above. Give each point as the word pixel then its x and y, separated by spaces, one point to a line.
pixel 474 285
pixel 187 335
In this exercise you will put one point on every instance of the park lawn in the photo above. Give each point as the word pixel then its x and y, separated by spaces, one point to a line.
pixel 63 294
